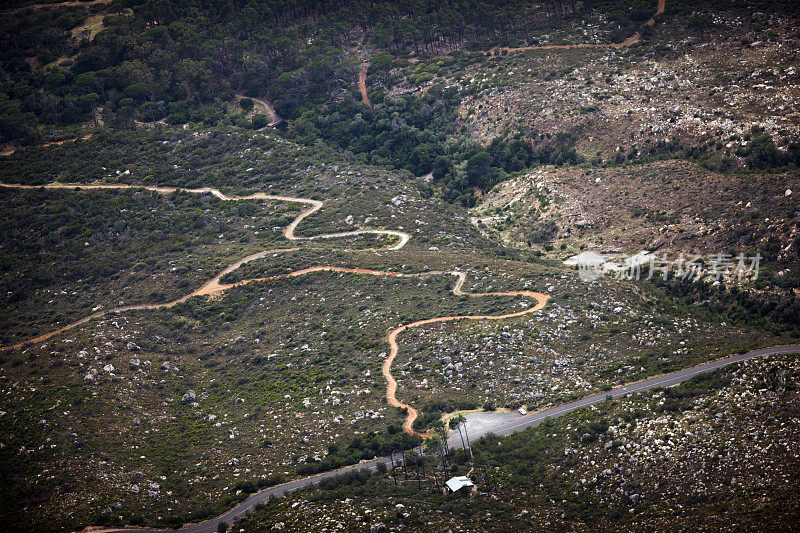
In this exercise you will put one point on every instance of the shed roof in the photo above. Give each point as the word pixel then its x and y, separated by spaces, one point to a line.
pixel 459 482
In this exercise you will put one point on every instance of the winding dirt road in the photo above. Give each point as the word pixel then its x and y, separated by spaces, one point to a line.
pixel 214 287
pixel 633 39
pixel 288 232
pixel 269 110
pixel 478 424
pixel 11 149
pixel 391 387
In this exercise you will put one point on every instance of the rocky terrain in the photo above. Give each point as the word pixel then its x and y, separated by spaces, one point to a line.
pixel 669 207
pixel 676 89
pixel 710 454
pixel 451 170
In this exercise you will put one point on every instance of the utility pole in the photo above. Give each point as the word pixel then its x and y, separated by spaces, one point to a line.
pixel 469 447
pixel 394 474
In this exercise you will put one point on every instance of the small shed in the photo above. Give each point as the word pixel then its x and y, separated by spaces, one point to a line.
pixel 460 484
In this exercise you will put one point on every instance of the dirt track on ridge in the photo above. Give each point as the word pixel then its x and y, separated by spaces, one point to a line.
pixel 627 42
pixel 391 387
pixel 214 287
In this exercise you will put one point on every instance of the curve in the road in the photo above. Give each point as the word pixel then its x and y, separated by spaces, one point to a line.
pixel 633 39
pixel 213 285
pixel 11 149
pixel 269 109
pixel 391 387
pixel 498 423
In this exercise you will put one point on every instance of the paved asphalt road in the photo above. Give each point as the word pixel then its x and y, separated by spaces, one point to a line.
pixel 480 424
